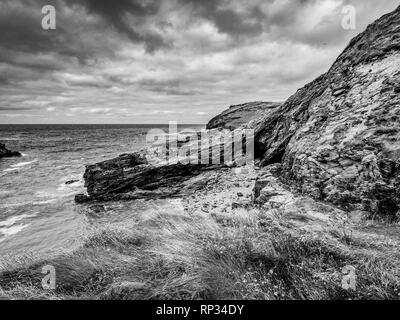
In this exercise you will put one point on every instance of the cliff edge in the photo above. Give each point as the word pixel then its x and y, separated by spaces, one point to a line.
pixel 338 136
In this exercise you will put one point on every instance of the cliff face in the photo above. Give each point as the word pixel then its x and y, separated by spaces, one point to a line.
pixel 338 137
pixel 238 115
pixel 5 153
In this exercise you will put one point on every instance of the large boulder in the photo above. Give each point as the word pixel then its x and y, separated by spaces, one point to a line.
pixel 238 115
pixel 5 153
pixel 338 137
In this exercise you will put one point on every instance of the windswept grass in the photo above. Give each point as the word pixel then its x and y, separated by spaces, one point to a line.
pixel 177 256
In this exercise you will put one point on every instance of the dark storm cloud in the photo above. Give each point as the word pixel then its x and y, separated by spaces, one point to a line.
pixel 4 80
pixel 27 52
pixel 173 87
pixel 21 33
pixel 21 30
pixel 76 36
pixel 226 19
pixel 149 59
pixel 117 12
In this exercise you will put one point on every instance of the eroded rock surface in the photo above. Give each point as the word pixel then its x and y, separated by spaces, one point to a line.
pixel 5 153
pixel 130 176
pixel 239 115
pixel 338 137
pixel 163 170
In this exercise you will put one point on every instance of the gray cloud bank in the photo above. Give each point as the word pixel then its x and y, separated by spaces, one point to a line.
pixel 137 61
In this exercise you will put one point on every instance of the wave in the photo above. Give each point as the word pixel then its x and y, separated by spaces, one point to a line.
pixel 9 139
pixel 23 164
pixel 13 230
pixel 44 202
pixel 12 220
pixel 19 165
pixel 11 169
pixel 29 203
pixel 9 226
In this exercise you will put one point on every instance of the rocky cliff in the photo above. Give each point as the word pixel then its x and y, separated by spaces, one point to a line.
pixel 239 115
pixel 5 153
pixel 338 137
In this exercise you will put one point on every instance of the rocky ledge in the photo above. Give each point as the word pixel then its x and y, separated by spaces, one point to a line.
pixel 5 153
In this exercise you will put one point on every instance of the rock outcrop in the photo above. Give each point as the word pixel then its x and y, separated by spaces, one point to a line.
pixel 239 115
pixel 5 153
pixel 130 177
pixel 166 166
pixel 338 137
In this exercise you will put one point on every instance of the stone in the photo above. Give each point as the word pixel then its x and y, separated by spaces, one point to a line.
pixel 71 182
pixel 5 153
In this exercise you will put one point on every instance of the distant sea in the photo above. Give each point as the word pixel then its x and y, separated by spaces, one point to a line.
pixel 37 209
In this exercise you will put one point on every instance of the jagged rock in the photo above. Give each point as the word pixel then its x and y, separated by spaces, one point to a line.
pixel 5 153
pixel 129 177
pixel 238 115
pixel 338 137
pixel 71 182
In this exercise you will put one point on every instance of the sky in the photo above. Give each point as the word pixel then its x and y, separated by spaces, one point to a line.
pixel 143 61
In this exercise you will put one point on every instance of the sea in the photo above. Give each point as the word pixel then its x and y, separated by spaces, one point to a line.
pixel 38 214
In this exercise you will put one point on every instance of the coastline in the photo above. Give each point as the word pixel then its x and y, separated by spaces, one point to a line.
pixel 319 204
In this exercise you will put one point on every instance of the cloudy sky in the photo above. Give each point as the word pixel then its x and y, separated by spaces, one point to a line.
pixel 143 61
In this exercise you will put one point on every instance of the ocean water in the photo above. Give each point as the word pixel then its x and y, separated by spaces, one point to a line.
pixel 37 209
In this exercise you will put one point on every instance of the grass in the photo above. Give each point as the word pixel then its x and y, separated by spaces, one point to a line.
pixel 178 256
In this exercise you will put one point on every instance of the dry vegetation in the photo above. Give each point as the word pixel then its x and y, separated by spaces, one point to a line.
pixel 179 256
